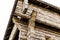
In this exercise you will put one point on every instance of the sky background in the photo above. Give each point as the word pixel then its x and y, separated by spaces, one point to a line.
pixel 6 9
pixel 53 2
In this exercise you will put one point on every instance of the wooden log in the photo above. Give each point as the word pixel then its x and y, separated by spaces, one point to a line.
pixel 43 20
pixel 38 31
pixel 44 16
pixel 31 26
pixel 19 27
pixel 13 33
pixel 14 30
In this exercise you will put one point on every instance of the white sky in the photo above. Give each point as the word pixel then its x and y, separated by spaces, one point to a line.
pixel 5 12
pixel 54 2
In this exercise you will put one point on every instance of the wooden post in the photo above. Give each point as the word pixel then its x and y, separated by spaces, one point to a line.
pixel 14 30
pixel 13 33
pixel 31 26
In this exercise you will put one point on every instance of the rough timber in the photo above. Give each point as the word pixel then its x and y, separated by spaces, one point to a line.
pixel 32 22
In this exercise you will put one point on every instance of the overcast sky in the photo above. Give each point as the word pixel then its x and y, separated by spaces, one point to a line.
pixel 53 2
pixel 5 12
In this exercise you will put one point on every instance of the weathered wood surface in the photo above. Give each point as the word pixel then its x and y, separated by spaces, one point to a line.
pixel 32 31
pixel 13 33
pixel 44 16
pixel 31 26
pixel 38 33
pixel 22 30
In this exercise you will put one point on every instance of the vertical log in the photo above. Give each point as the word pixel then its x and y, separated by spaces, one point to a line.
pixel 22 32
pixel 15 29
pixel 31 26
pixel 19 35
pixel 13 33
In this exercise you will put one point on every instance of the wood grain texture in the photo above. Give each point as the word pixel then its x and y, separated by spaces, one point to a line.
pixel 44 16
